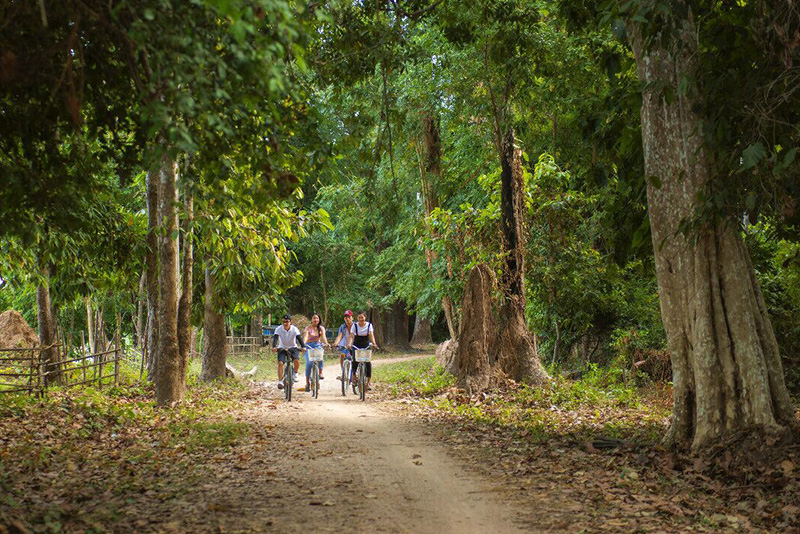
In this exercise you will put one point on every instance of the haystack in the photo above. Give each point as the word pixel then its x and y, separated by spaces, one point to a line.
pixel 15 333
pixel 300 321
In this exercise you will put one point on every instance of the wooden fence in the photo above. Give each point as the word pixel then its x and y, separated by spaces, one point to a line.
pixel 27 370
pixel 243 345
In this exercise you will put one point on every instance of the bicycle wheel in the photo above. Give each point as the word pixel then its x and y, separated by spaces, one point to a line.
pixel 287 381
pixel 355 378
pixel 362 381
pixel 315 380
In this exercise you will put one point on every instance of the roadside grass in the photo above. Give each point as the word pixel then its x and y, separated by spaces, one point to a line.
pixel 580 410
pixel 422 378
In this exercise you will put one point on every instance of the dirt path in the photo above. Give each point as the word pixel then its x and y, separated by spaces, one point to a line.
pixel 336 464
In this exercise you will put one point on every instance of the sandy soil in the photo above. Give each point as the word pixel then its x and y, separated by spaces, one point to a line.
pixel 337 464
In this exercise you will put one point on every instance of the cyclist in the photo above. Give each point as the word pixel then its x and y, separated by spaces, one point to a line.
pixel 314 337
pixel 343 339
pixel 362 335
pixel 287 342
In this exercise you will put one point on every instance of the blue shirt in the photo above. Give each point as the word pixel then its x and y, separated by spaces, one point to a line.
pixel 345 333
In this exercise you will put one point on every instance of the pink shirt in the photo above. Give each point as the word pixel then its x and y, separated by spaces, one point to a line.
pixel 313 335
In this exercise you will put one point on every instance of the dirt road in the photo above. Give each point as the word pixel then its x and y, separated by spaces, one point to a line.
pixel 335 464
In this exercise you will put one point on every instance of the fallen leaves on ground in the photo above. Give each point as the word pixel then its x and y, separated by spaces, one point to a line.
pixel 599 467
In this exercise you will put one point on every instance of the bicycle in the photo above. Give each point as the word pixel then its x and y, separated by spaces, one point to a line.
pixel 346 370
pixel 288 373
pixel 363 356
pixel 315 356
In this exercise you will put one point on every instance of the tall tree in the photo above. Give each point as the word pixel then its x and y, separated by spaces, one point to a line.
pixel 170 382
pixel 518 352
pixel 726 364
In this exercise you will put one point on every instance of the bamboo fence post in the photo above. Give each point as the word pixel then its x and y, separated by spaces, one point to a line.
pixel 39 377
pixel 100 372
pixel 30 375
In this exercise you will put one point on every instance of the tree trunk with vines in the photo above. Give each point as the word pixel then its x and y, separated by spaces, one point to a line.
pixel 727 372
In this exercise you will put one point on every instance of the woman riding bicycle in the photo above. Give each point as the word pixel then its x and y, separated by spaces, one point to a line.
pixel 343 339
pixel 362 336
pixel 287 342
pixel 314 338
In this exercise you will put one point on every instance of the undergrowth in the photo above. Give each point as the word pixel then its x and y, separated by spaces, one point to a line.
pixel 598 404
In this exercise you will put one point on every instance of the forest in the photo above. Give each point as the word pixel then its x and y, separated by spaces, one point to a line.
pixel 572 225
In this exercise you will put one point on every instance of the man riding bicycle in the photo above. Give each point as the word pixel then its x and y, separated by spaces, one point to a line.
pixel 287 341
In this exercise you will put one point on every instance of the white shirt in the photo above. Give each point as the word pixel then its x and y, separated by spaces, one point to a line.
pixel 287 339
pixel 361 330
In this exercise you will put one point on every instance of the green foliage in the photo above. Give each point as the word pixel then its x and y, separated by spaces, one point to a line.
pixel 777 265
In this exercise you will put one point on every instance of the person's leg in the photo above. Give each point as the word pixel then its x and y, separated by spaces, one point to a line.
pixel 296 358
pixel 308 369
pixel 281 358
pixel 368 372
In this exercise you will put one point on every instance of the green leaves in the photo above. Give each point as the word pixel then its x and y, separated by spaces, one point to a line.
pixel 752 155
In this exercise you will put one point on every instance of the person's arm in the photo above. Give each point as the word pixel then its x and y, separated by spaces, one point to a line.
pixel 350 335
pixel 372 337
pixel 338 338
pixel 275 341
pixel 324 336
pixel 305 335
pixel 299 339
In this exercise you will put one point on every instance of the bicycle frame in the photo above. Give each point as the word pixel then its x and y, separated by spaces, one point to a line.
pixel 346 371
pixel 288 369
pixel 315 356
pixel 363 356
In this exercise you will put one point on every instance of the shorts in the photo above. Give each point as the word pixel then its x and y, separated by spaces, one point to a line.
pixel 282 353
pixel 348 353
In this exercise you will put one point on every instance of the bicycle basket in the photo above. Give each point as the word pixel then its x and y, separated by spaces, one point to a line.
pixel 363 355
pixel 316 355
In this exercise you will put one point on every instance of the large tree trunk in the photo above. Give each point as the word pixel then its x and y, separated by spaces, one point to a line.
pixel 478 338
pixel 185 304
pixel 170 382
pixel 422 331
pixel 50 355
pixel 727 372
pixel 151 260
pixel 140 307
pixel 214 343
pixel 401 334
pixel 518 356
pixel 430 170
